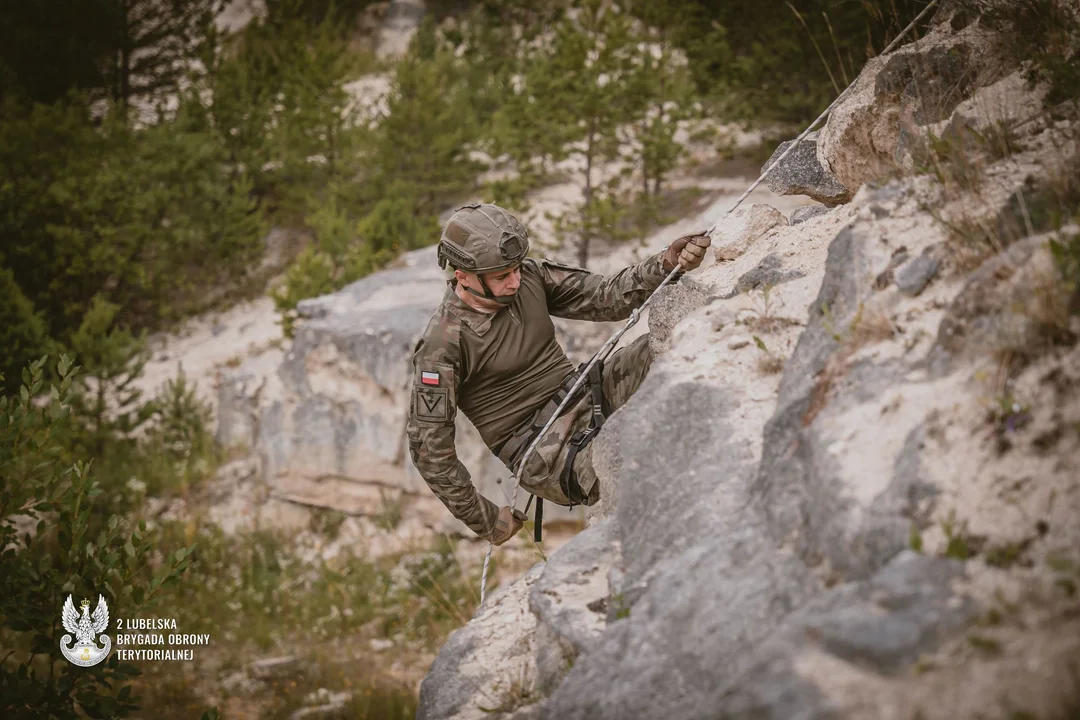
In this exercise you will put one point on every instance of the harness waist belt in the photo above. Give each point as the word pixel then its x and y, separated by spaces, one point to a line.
pixel 515 445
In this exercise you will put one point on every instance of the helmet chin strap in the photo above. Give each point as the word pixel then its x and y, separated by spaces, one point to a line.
pixel 488 295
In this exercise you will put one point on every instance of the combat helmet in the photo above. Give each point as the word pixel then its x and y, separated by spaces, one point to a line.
pixel 483 238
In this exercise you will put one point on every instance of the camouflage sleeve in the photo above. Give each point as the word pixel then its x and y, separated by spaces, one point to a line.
pixel 578 294
pixel 432 412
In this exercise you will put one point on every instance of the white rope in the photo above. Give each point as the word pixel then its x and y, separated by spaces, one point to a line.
pixel 636 314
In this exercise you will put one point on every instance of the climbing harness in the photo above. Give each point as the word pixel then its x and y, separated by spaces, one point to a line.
pixel 598 412
pixel 511 450
pixel 586 373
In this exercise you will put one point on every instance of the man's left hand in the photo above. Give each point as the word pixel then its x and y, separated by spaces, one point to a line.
pixel 509 521
pixel 688 251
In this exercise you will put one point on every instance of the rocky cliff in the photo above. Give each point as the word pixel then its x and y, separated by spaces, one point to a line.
pixel 851 486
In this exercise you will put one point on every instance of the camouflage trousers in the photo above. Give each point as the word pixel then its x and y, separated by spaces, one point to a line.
pixel 624 371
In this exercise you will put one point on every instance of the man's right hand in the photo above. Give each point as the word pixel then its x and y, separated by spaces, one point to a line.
pixel 687 252
pixel 507 525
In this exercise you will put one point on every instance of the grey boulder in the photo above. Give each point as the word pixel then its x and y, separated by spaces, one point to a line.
pixel 801 173
pixel 808 212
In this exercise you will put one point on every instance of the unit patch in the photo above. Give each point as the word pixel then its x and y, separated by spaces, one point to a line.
pixel 429 378
pixel 431 404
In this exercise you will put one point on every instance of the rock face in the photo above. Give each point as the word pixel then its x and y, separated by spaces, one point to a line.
pixel 400 23
pixel 808 213
pixel 801 173
pixel 913 276
pixel 488 665
pixel 789 670
pixel 915 86
pixel 767 273
pixel 1009 304
pixel 745 227
pixel 669 306
pixel 807 545
pixel 570 601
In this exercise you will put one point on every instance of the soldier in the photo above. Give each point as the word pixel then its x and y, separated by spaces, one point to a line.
pixel 490 351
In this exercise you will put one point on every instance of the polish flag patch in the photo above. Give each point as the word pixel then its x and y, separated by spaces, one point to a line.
pixel 429 378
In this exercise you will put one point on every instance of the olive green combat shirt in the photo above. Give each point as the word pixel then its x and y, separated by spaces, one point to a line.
pixel 499 368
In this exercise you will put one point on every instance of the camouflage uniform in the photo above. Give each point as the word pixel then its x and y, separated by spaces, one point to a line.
pixel 501 369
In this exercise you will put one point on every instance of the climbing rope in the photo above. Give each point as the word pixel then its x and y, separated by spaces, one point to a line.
pixel 636 314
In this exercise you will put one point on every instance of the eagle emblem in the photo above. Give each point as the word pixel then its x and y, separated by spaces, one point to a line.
pixel 85 652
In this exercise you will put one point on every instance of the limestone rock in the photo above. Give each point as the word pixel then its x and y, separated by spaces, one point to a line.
pixel 883 624
pixel 744 228
pixel 691 543
pixel 670 305
pixel 400 22
pixel 1008 304
pixel 324 705
pixel 488 664
pixel 793 511
pixel 914 275
pixel 569 600
pixel 770 272
pixel 809 212
pixel 801 173
pixel 800 489
pixel 234 495
pixel 274 668
pixel 895 96
pixel 1008 101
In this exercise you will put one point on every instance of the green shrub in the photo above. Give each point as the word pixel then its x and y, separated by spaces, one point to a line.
pixel 22 330
pixel 61 555
pixel 396 223
pixel 311 275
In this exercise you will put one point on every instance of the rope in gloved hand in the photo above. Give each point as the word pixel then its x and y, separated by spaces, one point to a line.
pixel 636 314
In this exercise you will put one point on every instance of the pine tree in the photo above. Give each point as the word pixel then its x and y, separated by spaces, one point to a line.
pixel 590 60
pixel 529 126
pixel 660 97
pixel 420 144
pixel 152 45
pixel 280 105
pixel 106 402
pixel 504 51
pixel 143 216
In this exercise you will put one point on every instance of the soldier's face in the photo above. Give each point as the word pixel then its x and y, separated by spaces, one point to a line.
pixel 504 282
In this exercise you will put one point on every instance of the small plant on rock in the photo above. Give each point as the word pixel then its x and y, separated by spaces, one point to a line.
pixel 870 325
pixel 516 692
pixel 769 363
pixel 765 319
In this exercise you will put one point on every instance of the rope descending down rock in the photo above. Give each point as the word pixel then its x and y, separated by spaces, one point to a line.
pixel 636 314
